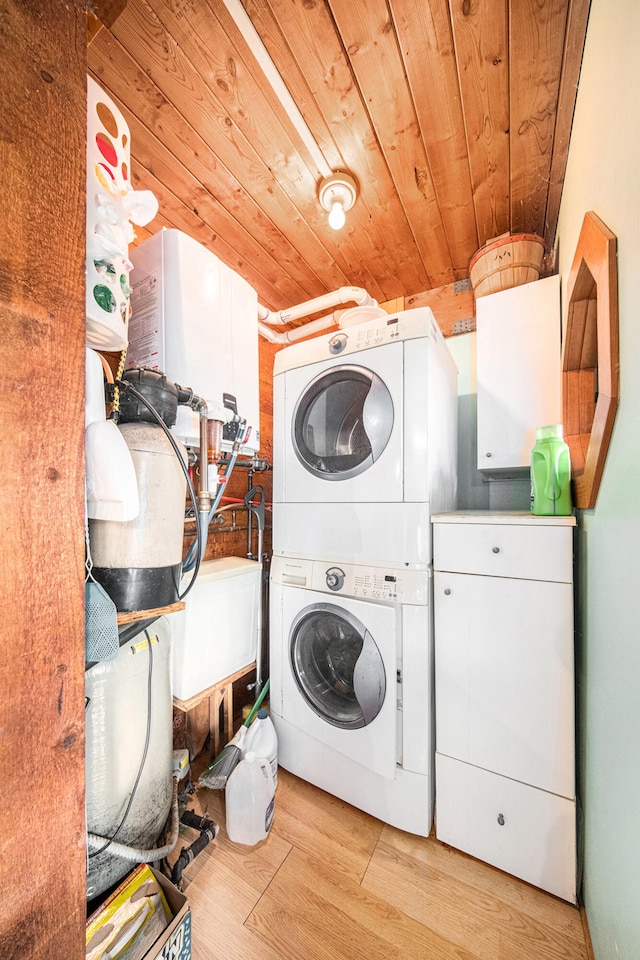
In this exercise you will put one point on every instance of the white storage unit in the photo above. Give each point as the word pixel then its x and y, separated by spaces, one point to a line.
pixel 217 632
pixel 196 320
pixel 518 369
pixel 504 662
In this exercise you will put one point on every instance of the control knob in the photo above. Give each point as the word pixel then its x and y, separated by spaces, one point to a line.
pixel 338 343
pixel 335 578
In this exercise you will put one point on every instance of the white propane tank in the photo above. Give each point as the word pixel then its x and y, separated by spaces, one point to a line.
pixel 262 740
pixel 250 800
pixel 125 696
pixel 139 562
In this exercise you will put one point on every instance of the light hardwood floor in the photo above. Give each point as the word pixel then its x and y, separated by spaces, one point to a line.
pixel 333 882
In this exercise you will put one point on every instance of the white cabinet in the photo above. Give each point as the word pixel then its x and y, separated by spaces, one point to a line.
pixel 518 370
pixel 505 727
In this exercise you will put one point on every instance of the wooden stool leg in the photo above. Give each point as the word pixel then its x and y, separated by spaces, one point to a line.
pixel 215 744
pixel 228 711
pixel 197 723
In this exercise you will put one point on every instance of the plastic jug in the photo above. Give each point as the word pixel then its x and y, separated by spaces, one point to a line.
pixel 250 800
pixel 262 740
pixel 550 473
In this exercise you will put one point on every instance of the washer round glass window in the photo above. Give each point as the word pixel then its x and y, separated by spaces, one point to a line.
pixel 342 422
pixel 337 666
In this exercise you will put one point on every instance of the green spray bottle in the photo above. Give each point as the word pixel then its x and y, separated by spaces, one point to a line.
pixel 550 473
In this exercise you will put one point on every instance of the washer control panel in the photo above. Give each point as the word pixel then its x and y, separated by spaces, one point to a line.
pixel 383 584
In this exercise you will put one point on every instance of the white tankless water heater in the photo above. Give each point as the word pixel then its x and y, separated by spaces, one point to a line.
pixel 196 320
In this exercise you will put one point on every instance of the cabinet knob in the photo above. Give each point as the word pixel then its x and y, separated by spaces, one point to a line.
pixel 496 549
pixel 501 819
pixel 447 591
pixel 488 454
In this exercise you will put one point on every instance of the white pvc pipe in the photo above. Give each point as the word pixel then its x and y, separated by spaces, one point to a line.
pixel 290 336
pixel 344 295
pixel 252 38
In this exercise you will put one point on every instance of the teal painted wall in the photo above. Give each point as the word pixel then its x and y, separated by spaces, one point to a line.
pixel 603 175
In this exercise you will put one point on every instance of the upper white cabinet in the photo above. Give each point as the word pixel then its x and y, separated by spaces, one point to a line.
pixel 519 375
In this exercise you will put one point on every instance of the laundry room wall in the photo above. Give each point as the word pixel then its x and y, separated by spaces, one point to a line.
pixel 473 488
pixel 602 175
pixel 476 489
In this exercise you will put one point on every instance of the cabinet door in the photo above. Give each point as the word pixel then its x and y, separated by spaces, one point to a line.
pixel 504 677
pixel 527 832
pixel 519 377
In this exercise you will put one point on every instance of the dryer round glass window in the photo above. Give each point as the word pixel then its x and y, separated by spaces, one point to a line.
pixel 342 422
pixel 337 666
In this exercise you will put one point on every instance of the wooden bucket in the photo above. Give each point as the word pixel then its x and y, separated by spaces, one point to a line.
pixel 506 261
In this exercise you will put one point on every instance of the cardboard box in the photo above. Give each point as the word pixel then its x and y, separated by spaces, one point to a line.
pixel 146 918
pixel 175 942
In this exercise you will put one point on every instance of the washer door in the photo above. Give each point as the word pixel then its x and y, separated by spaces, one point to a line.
pixel 342 422
pixel 337 666
pixel 338 669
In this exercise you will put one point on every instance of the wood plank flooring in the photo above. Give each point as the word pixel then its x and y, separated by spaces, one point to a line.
pixel 331 881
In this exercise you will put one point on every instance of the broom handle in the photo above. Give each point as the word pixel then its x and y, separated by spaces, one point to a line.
pixel 256 706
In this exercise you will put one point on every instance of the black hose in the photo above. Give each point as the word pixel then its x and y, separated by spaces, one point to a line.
pixel 125 385
pixel 208 831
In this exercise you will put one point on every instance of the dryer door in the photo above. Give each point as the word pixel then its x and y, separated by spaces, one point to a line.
pixel 341 678
pixel 343 430
pixel 342 422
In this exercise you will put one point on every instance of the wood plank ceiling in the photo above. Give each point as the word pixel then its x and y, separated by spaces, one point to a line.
pixel 453 116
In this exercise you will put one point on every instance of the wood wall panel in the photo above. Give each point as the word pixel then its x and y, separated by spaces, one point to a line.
pixel 426 41
pixel 481 41
pixel 43 128
pixel 373 48
pixel 274 225
pixel 536 41
pixel 577 17
pixel 453 118
pixel 384 252
pixel 448 306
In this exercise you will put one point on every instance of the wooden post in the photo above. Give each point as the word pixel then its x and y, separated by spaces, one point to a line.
pixel 42 252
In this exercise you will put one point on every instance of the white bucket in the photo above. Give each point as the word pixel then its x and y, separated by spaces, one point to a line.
pixel 249 798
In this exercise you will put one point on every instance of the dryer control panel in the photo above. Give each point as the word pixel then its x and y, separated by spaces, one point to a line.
pixel 405 325
pixel 385 584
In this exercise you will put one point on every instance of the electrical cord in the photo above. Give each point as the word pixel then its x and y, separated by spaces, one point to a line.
pixel 95 853
pixel 125 385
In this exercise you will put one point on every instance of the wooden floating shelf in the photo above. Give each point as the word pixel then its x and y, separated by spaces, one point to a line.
pixel 590 360
pixel 132 616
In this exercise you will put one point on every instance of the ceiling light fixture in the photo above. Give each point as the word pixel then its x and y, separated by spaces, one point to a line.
pixel 337 194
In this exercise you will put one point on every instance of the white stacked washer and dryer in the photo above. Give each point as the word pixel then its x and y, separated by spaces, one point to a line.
pixel 365 450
